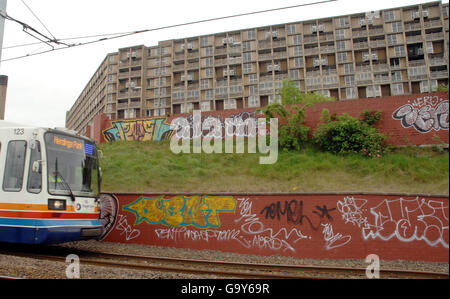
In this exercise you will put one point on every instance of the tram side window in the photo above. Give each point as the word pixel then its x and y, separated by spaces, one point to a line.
pixel 35 175
pixel 14 166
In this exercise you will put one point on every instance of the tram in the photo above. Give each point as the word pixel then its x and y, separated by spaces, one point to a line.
pixel 50 185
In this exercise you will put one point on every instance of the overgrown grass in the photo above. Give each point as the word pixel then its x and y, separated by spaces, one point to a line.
pixel 152 167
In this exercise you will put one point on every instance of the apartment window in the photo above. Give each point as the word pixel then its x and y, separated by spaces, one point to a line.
pixel 445 12
pixel 208 61
pixel 253 78
pixel 434 84
pixel 397 27
pixel 204 83
pixel 342 57
pixel 350 93
pixel 424 86
pixel 392 39
pixel 397 89
pixel 205 106
pixel 253 101
pixel 111 59
pixel 253 89
pixel 209 72
pixel 247 46
pixel 349 80
pixel 389 15
pixel 349 68
pixel 344 22
pixel 294 74
pixel 209 94
pixel 340 45
pixel 204 41
pixel 298 51
pixel 248 57
pixel 248 68
pixel 291 29
pixel 396 76
pixel 208 51
pixel 340 33
pixel 297 39
pixel 298 62
pixel 373 91
pixel 430 49
pixel 400 51
pixel 251 34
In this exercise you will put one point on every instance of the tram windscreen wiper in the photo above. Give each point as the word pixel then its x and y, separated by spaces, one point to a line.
pixel 64 182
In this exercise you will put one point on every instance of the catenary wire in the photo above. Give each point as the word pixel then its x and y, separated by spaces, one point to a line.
pixel 167 27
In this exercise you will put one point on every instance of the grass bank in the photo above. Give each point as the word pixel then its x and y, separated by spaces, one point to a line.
pixel 151 167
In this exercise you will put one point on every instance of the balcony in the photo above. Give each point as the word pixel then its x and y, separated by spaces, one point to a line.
pixel 327 49
pixel 435 36
pixel 360 45
pixel 439 74
pixel 311 51
pixel 436 61
pixel 414 39
pixel 433 23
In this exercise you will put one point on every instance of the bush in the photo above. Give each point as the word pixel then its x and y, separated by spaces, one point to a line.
pixel 371 117
pixel 348 135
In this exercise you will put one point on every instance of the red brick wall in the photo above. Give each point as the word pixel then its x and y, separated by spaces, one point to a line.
pixel 316 226
pixel 424 110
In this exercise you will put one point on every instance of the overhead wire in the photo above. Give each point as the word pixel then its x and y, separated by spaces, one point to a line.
pixel 125 34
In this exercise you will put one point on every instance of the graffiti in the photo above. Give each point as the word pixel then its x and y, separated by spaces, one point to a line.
pixel 406 220
pixel 177 233
pixel 154 129
pixel 424 114
pixel 293 211
pixel 240 125
pixel 108 213
pixel 125 228
pixel 351 210
pixel 253 226
pixel 331 240
pixel 198 211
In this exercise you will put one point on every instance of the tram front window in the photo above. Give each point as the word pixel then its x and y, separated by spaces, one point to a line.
pixel 72 166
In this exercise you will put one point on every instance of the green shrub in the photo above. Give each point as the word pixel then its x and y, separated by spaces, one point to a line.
pixel 348 135
pixel 371 117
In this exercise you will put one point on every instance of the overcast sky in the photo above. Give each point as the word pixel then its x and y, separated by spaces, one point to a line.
pixel 42 88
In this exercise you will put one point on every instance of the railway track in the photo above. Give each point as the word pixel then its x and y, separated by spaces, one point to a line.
pixel 220 269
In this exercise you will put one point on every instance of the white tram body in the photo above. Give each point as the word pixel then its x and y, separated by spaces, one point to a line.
pixel 50 185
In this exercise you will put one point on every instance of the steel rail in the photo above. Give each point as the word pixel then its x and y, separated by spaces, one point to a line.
pixel 218 268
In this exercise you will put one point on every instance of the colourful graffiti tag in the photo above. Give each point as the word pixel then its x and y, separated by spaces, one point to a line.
pixel 199 211
pixel 154 129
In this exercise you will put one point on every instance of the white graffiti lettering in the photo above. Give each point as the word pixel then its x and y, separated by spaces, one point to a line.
pixel 125 228
pixel 426 118
pixel 351 210
pixel 331 240
pixel 410 220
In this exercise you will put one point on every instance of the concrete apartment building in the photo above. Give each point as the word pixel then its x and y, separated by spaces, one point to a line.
pixel 390 52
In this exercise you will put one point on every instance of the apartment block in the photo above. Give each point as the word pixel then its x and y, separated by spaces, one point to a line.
pixel 367 55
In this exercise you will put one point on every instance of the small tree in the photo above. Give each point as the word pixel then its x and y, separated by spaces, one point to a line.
pixel 293 132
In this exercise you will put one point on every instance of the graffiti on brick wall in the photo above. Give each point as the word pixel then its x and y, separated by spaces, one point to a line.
pixel 154 129
pixel 198 211
pixel 288 226
pixel 425 114
pixel 238 125
pixel 405 220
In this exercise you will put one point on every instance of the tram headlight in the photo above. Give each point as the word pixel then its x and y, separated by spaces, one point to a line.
pixel 56 204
